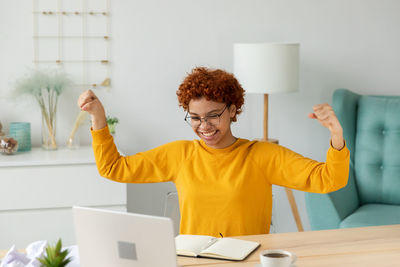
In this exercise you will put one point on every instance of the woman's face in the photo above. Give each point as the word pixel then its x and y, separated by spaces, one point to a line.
pixel 211 121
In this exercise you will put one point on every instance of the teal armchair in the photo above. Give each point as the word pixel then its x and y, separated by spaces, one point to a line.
pixel 371 128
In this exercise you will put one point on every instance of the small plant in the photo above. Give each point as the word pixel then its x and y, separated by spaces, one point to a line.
pixel 112 122
pixel 55 257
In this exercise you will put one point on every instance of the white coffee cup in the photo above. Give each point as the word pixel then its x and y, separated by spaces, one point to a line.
pixel 277 258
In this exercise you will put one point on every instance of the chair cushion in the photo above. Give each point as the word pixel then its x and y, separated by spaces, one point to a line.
pixel 371 215
pixel 376 155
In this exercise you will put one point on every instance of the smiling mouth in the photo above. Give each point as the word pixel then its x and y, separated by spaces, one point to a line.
pixel 208 134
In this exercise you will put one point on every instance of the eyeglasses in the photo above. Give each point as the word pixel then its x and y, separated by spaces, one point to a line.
pixel 212 119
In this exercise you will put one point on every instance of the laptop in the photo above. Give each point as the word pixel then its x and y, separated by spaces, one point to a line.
pixel 109 238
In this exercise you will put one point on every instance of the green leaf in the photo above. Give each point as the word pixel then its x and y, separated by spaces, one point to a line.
pixel 56 257
pixel 58 246
pixel 112 120
pixel 50 253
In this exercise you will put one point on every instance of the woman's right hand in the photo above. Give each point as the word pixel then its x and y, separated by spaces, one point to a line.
pixel 89 102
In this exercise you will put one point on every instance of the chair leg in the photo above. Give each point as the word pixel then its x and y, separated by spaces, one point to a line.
pixel 295 211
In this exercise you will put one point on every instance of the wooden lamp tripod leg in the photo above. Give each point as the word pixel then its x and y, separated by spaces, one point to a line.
pixel 289 192
pixel 295 211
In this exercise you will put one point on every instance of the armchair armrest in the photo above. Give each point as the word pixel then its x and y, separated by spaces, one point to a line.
pixel 326 211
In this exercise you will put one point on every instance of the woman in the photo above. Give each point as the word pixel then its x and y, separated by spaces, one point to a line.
pixel 224 183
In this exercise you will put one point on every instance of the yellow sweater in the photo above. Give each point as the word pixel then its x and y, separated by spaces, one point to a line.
pixel 228 190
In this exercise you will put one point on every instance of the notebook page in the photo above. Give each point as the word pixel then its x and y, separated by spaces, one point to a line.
pixel 231 248
pixel 193 243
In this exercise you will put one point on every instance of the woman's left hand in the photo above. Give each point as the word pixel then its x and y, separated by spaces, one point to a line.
pixel 326 116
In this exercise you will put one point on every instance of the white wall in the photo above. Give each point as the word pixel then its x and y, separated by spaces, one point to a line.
pixel 350 44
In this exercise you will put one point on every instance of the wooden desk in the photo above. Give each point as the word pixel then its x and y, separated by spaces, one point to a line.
pixel 364 247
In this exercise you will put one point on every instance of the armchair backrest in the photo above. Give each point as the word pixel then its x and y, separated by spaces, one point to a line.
pixel 377 149
pixel 372 133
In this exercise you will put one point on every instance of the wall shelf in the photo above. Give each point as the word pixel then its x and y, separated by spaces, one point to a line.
pixel 73 32
pixel 77 37
pixel 40 157
pixel 66 13
pixel 71 61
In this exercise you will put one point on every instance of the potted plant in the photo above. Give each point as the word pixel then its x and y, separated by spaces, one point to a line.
pixel 55 256
pixel 112 122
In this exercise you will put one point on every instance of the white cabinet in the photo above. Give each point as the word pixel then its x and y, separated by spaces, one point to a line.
pixel 38 189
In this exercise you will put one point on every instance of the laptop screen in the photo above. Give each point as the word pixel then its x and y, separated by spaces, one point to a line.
pixel 109 238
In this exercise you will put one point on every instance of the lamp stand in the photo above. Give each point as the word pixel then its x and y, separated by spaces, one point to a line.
pixel 265 117
pixel 289 192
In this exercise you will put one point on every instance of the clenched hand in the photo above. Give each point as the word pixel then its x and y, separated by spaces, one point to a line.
pixel 89 102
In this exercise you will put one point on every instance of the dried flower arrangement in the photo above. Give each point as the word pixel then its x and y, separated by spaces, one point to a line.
pixel 8 145
pixel 45 87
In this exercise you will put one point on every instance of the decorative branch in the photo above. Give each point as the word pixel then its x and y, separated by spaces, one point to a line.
pixel 78 122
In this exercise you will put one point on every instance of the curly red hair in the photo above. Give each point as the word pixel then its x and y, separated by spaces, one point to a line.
pixel 213 84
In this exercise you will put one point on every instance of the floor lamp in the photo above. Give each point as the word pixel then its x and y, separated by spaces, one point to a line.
pixel 269 68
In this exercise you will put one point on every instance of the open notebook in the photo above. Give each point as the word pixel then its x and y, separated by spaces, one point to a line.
pixel 212 247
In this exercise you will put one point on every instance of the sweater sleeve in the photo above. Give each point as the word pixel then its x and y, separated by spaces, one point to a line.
pixel 160 164
pixel 289 169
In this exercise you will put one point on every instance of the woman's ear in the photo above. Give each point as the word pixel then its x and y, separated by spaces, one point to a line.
pixel 232 111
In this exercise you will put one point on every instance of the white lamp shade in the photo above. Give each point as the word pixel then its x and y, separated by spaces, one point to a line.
pixel 267 68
